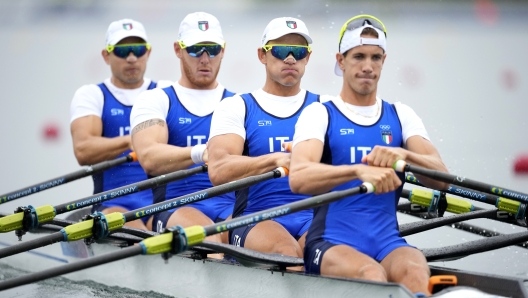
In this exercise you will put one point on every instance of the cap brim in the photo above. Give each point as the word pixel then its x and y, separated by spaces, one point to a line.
pixel 192 40
pixel 124 34
pixel 273 37
pixel 337 70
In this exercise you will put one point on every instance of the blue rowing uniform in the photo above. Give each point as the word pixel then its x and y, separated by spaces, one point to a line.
pixel 365 222
pixel 187 129
pixel 116 123
pixel 265 134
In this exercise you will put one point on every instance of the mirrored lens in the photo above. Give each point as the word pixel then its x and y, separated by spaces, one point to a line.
pixel 357 23
pixel 122 51
pixel 281 52
pixel 197 50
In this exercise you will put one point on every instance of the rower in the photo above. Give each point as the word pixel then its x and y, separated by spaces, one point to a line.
pixel 100 116
pixel 171 125
pixel 247 132
pixel 358 236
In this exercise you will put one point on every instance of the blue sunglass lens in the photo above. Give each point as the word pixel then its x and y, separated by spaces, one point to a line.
pixel 281 52
pixel 124 50
pixel 198 50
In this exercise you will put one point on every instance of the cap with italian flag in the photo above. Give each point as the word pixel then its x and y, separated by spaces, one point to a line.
pixel 199 27
pixel 124 28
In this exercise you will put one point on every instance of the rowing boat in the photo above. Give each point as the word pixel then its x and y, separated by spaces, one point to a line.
pixel 245 273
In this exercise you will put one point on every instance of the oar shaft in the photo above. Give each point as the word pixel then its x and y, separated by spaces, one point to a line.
pixel 31 244
pixel 72 267
pixel 473 247
pixel 87 171
pixel 128 189
pixel 284 209
pixel 201 195
pixel 401 166
pixel 420 226
pixel 460 191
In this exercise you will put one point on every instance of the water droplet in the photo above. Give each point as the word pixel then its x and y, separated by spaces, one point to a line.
pixel 326 5
pixel 441 140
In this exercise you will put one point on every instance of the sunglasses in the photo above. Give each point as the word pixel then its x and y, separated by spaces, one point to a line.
pixel 198 49
pixel 123 50
pixel 282 51
pixel 358 22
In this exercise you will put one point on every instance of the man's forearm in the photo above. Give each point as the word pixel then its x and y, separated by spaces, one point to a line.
pixel 235 167
pixel 159 159
pixel 97 149
pixel 315 178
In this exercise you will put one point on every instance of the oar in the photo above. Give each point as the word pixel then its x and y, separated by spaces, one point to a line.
pixel 420 226
pixel 402 166
pixel 430 201
pixel 100 225
pixel 178 239
pixel 422 205
pixel 511 206
pixel 477 246
pixel 87 171
pixel 28 218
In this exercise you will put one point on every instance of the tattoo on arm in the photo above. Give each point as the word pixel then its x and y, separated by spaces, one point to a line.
pixel 148 124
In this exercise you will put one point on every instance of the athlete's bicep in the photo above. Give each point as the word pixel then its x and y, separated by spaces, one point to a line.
pixel 222 146
pixel 86 127
pixel 420 145
pixel 307 151
pixel 146 135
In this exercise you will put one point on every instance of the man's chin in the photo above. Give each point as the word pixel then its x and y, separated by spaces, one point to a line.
pixel 288 82
pixel 203 82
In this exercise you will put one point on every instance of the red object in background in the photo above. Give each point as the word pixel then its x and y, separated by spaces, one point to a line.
pixel 487 12
pixel 51 132
pixel 510 79
pixel 521 165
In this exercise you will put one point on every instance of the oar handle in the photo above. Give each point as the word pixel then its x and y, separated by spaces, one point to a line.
pixel 402 166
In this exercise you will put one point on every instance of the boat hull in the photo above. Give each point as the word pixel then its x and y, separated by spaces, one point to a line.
pixel 183 276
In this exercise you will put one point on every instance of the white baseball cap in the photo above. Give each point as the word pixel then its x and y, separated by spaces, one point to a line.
pixel 199 27
pixel 351 38
pixel 122 29
pixel 281 26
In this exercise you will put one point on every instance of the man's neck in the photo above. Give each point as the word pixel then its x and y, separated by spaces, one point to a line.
pixel 352 97
pixel 277 89
pixel 184 82
pixel 122 85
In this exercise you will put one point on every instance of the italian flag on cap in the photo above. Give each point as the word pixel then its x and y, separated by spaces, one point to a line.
pixel 203 25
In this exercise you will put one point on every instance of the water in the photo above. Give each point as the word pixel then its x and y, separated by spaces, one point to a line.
pixel 60 287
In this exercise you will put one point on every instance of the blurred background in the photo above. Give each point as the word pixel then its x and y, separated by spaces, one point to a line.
pixel 461 65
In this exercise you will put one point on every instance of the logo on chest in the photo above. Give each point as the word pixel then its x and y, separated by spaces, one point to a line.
pixel 386 134
pixel 346 131
pixel 183 120
pixel 117 112
pixel 264 123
